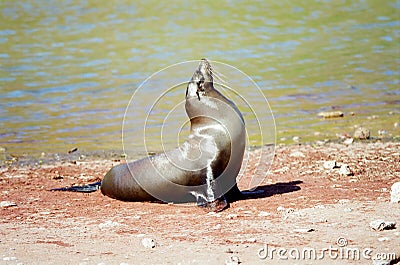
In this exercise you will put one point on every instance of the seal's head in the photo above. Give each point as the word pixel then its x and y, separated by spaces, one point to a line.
pixel 201 82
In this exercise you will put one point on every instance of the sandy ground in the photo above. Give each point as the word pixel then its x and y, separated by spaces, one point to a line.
pixel 303 208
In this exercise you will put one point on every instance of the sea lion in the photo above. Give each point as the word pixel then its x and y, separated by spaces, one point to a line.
pixel 203 169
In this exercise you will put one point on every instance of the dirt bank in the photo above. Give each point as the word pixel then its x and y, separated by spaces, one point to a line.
pixel 303 205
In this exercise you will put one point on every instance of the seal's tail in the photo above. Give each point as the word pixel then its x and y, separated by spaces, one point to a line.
pixel 85 188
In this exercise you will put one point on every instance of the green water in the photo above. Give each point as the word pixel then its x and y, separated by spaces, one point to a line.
pixel 69 68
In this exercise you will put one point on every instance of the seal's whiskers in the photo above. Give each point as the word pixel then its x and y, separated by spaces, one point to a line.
pixel 219 76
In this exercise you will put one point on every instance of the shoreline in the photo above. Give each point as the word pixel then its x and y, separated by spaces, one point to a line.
pixel 9 159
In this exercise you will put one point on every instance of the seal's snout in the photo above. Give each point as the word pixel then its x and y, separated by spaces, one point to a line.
pixel 201 77
pixel 205 70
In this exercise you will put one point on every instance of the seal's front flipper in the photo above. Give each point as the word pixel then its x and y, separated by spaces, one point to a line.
pixel 215 206
pixel 85 188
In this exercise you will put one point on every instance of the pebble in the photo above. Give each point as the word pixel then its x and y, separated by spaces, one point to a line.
pixel 108 224
pixel 280 208
pixel 148 242
pixel 379 225
pixel 216 227
pixel 296 138
pixel 297 154
pixel 330 164
pixel 330 114
pixel 214 214
pixel 73 150
pixel 263 214
pixel 362 133
pixel 348 141
pixel 232 216
pixel 382 132
pixel 233 260
pixel 381 239
pixel 396 124
pixel 395 193
pixel 229 250
pixel 5 204
pixel 303 230
pixel 345 170
pixel 9 258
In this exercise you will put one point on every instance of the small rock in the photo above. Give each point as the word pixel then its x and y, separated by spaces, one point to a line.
pixel 330 164
pixel 6 204
pixel 297 154
pixel 381 239
pixel 382 132
pixel 396 124
pixel 251 240
pixel 263 214
pixel 330 114
pixel 9 258
pixel 233 260
pixel 73 150
pixel 303 230
pixel 214 214
pixel 345 170
pixel 347 210
pixel 108 224
pixel 319 142
pixel 148 242
pixel 296 138
pixel 362 133
pixel 280 208
pixel 373 117
pixel 216 227
pixel 232 216
pixel 379 225
pixel 229 250
pixel 395 193
pixel 348 141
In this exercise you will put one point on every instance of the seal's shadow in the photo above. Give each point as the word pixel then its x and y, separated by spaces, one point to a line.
pixel 270 190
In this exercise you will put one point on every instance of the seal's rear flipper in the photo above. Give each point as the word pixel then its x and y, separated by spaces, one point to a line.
pixel 85 188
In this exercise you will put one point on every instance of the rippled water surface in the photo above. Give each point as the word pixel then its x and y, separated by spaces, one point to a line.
pixel 69 68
